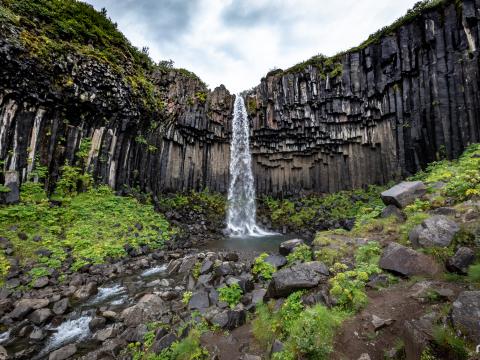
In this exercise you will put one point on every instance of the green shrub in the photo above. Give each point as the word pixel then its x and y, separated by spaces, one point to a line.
pixel 262 328
pixel 73 180
pixel 474 273
pixel 301 253
pixel 312 333
pixel 263 269
pixel 230 294
pixel 368 254
pixel 187 295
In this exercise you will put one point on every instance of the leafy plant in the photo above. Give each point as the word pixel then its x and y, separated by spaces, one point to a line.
pixel 446 339
pixel 187 295
pixel 263 269
pixel 230 294
pixel 301 253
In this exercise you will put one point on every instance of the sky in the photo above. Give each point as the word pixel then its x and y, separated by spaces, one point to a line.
pixel 236 42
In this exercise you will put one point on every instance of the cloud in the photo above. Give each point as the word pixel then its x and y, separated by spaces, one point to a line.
pixel 236 42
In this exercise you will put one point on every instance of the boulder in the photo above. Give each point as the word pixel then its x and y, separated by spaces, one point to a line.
pixel 463 258
pixel 63 353
pixel 41 282
pixel 107 333
pixel 40 316
pixel 85 291
pixel 149 308
pixel 297 277
pixel 392 210
pixel 230 319
pixel 466 314
pixel 287 247
pixel 407 262
pixel 187 264
pixel 96 323
pixel 61 306
pixel 24 307
pixel 437 231
pixel 207 266
pixel 276 260
pixel 417 335
pixel 163 342
pixel 231 256
pixel 258 295
pixel 199 300
pixel 404 194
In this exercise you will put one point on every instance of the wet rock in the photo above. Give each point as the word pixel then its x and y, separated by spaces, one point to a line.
pixel 199 300
pixel 149 308
pixel 460 262
pixel 96 323
pixel 297 277
pixel 37 334
pixel 61 306
pixel 287 247
pixel 407 262
pixel 276 260
pixel 84 292
pixel 63 353
pixel 40 316
pixel 40 282
pixel 404 194
pixel 466 314
pixel 392 210
pixel 437 231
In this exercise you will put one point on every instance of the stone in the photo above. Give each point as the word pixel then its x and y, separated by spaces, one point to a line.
pixel 392 210
pixel 277 346
pixel 466 314
pixel 276 260
pixel 404 194
pixel 40 316
pixel 287 247
pixel 297 277
pixel 25 306
pixel 460 262
pixel 187 264
pixel 96 323
pixel 61 306
pixel 436 231
pixel 231 256
pixel 258 295
pixel 207 266
pixel 417 335
pixel 135 334
pixel 404 261
pixel 63 353
pixel 107 333
pixel 85 291
pixel 149 308
pixel 37 334
pixel 41 282
pixel 229 319
pixel 379 323
pixel 364 356
pixel 164 342
pixel 224 269
pixel 199 300
pixel 250 357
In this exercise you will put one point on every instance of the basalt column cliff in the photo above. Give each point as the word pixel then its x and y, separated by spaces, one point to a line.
pixel 407 96
pixel 372 114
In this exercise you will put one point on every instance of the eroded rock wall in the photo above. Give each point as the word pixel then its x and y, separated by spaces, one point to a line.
pixel 46 111
pixel 408 100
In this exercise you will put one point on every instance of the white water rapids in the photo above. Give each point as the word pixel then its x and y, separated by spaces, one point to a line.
pixel 241 217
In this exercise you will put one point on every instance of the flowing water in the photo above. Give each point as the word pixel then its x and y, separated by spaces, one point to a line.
pixel 241 217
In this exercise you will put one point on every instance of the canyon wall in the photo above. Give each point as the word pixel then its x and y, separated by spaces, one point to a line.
pixel 370 115
pixel 375 114
pixel 47 111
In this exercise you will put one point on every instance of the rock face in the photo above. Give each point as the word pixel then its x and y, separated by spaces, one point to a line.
pixel 438 231
pixel 407 262
pixel 371 115
pixel 463 258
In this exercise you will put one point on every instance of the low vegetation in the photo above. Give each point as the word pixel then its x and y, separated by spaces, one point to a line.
pixel 231 294
pixel 262 269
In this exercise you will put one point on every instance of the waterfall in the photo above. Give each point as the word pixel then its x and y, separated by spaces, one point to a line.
pixel 241 193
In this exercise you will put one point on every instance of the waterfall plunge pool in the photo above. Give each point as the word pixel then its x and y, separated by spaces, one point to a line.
pixel 256 244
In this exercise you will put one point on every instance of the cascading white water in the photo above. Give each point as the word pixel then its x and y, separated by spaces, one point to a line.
pixel 241 193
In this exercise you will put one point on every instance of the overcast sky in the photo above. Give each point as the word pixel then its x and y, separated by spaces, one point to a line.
pixel 236 42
